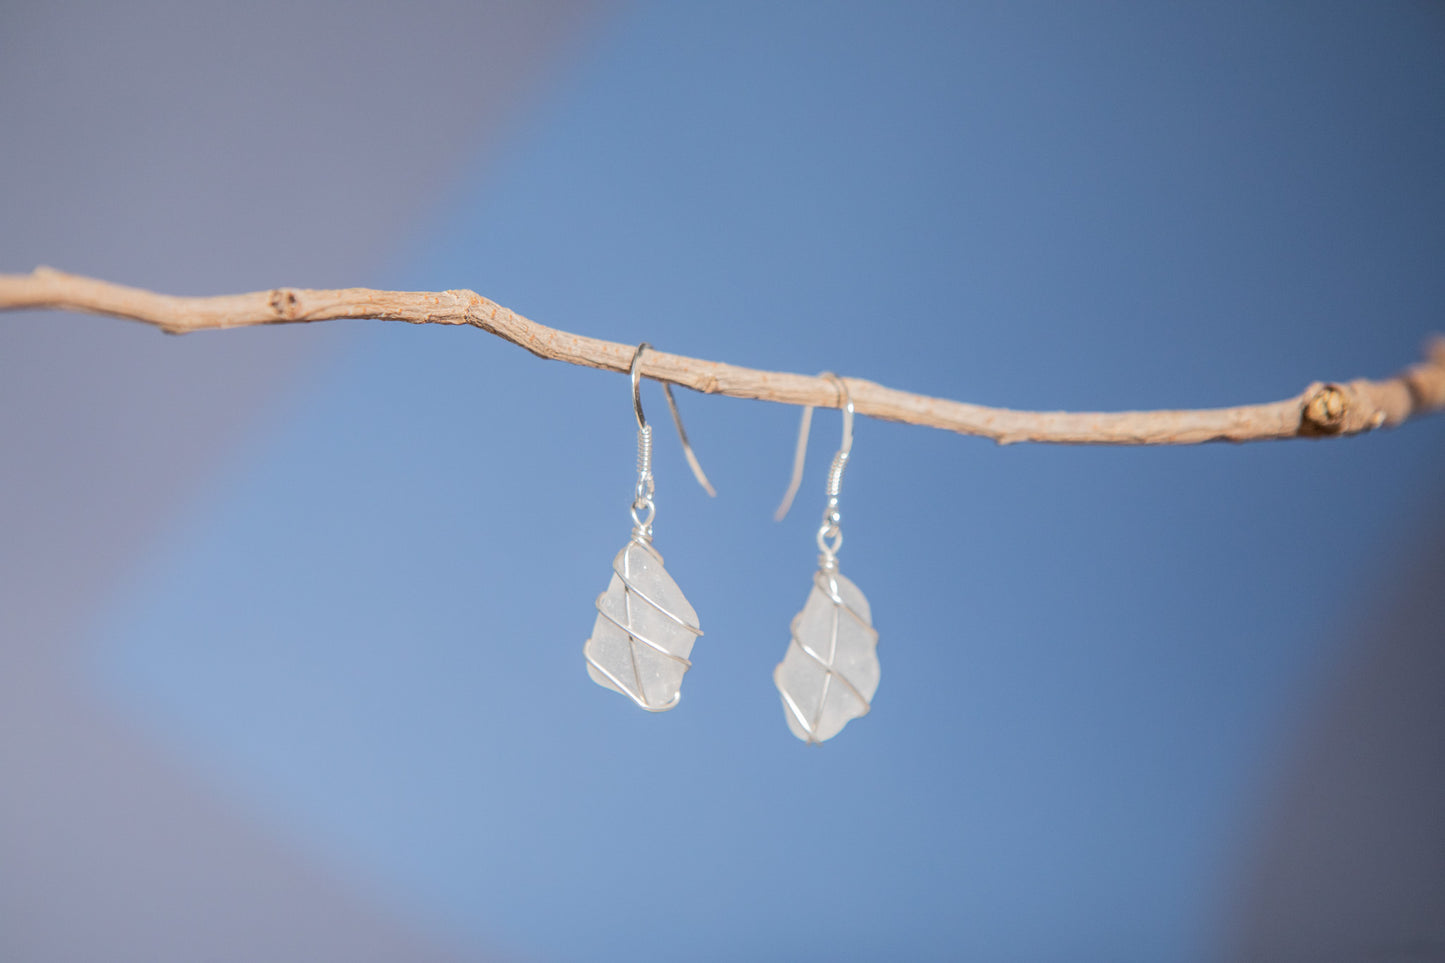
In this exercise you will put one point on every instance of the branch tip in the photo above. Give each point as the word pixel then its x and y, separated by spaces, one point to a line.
pixel 1435 349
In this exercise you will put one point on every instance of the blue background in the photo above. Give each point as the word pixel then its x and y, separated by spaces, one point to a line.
pixel 369 628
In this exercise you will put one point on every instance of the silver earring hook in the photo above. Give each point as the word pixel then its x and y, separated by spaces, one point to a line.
pixel 636 382
pixel 644 458
pixel 840 460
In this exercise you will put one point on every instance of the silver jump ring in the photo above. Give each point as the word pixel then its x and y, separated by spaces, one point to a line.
pixel 643 525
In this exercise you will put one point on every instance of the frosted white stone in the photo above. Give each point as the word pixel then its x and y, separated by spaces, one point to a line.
pixel 830 672
pixel 644 631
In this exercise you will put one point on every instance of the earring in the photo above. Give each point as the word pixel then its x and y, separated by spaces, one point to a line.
pixel 830 672
pixel 645 628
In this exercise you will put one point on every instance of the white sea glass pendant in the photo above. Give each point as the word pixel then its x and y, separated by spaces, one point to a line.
pixel 644 631
pixel 830 672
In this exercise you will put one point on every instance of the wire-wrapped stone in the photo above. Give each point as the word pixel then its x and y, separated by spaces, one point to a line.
pixel 830 672
pixel 644 631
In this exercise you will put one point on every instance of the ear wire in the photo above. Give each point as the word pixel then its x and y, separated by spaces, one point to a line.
pixel 644 431
pixel 840 460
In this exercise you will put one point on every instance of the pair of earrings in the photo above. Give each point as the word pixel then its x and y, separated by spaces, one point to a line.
pixel 645 628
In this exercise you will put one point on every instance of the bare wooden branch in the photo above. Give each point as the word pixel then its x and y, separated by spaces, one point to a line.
pixel 1321 410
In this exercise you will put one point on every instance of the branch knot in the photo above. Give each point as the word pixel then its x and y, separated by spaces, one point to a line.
pixel 283 303
pixel 1324 412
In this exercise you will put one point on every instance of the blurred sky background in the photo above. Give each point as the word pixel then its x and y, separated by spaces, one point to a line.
pixel 293 617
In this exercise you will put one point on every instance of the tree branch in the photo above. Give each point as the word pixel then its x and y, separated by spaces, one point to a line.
pixel 1321 410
